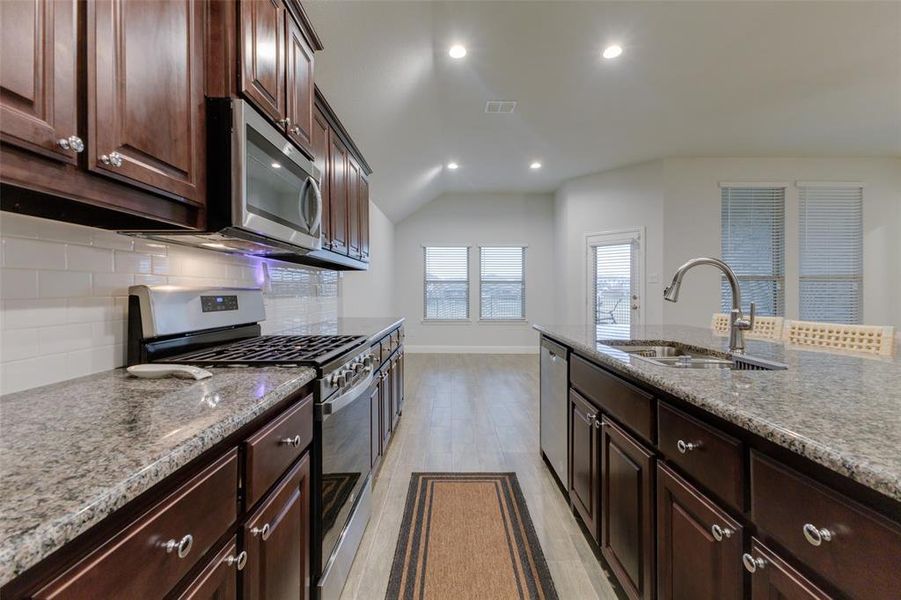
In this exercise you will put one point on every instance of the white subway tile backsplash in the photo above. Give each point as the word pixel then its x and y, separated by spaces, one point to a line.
pixel 64 284
pixel 33 254
pixel 87 258
pixel 18 283
pixel 64 294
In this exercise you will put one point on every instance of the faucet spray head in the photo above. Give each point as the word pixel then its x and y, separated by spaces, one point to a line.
pixel 671 292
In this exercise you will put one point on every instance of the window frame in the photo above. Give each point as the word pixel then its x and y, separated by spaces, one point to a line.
pixel 426 280
pixel 522 282
pixel 778 279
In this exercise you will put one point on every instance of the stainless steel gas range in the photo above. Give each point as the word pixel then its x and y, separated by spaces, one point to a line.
pixel 218 328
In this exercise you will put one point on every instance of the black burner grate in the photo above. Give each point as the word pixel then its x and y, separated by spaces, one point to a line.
pixel 273 350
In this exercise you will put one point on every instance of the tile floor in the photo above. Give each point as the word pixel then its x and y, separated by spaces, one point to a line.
pixel 471 412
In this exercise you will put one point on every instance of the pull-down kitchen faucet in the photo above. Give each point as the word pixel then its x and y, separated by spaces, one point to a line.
pixel 737 323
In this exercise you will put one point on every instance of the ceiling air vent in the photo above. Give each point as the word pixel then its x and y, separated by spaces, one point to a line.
pixel 500 107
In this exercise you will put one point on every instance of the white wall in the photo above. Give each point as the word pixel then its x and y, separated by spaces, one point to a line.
pixel 63 294
pixel 474 220
pixel 692 227
pixel 371 293
pixel 621 199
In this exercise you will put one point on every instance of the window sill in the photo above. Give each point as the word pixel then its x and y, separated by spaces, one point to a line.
pixel 446 321
pixel 503 322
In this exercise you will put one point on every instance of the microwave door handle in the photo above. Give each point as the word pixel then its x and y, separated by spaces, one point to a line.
pixel 311 186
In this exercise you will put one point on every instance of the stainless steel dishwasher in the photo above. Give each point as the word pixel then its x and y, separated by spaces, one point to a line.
pixel 554 388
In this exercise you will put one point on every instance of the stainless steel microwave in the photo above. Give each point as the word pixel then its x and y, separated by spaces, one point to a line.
pixel 263 195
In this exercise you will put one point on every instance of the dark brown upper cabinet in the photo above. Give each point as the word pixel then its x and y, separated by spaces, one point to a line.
pixel 320 143
pixel 263 55
pixel 38 90
pixel 584 456
pixel 145 94
pixel 364 218
pixel 299 87
pixel 338 194
pixel 353 209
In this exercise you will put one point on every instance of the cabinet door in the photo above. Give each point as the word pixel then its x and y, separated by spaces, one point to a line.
pixel 321 144
pixel 627 518
pixel 219 578
pixel 37 76
pixel 699 546
pixel 263 55
pixel 399 384
pixel 584 473
pixel 277 538
pixel 299 86
pixel 395 394
pixel 145 93
pixel 375 424
pixel 338 194
pixel 772 577
pixel 386 401
pixel 364 218
pixel 353 208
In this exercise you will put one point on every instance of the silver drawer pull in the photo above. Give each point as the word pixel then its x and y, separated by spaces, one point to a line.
pixel 181 547
pixel 113 159
pixel 294 442
pixel 263 531
pixel 720 532
pixel 73 142
pixel 238 561
pixel 685 447
pixel 815 535
pixel 752 564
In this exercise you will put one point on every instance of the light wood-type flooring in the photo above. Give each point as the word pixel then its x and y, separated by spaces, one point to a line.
pixel 473 412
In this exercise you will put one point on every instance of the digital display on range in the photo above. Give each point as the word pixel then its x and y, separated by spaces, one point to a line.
pixel 218 303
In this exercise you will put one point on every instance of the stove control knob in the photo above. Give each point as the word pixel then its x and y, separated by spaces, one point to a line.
pixel 358 367
pixel 340 380
pixel 367 360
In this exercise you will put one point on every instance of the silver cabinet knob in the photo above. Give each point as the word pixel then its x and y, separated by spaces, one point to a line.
pixel 719 533
pixel 113 159
pixel 237 561
pixel 181 547
pixel 295 130
pixel 263 531
pixel 286 122
pixel 73 142
pixel 597 423
pixel 293 442
pixel 685 447
pixel 815 535
pixel 752 564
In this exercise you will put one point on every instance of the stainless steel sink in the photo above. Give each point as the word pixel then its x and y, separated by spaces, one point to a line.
pixel 679 356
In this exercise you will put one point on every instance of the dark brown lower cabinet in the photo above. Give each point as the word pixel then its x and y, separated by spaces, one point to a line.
pixel 219 579
pixel 375 432
pixel 772 577
pixel 699 546
pixel 277 540
pixel 385 402
pixel 627 510
pixel 584 471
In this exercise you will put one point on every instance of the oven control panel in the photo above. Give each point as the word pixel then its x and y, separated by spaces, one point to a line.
pixel 348 374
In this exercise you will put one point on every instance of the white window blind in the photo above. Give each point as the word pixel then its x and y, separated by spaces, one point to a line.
pixel 502 283
pixel 831 254
pixel 753 244
pixel 614 280
pixel 446 283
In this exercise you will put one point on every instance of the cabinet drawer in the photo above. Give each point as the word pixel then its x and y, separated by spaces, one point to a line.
pixel 850 546
pixel 273 449
pixel 631 406
pixel 712 458
pixel 137 563
pixel 772 577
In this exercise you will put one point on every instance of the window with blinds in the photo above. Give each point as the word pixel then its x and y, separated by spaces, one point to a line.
pixel 446 283
pixel 614 280
pixel 831 254
pixel 753 244
pixel 502 283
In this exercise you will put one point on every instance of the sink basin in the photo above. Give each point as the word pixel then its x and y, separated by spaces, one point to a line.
pixel 679 356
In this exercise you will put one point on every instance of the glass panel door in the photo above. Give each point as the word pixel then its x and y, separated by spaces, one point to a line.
pixel 614 284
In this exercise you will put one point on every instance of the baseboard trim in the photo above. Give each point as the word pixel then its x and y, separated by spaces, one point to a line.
pixel 470 349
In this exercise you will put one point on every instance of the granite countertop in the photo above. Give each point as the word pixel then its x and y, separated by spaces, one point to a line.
pixel 72 453
pixel 842 411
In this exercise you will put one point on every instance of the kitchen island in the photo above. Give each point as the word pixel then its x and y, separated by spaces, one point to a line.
pixel 797 469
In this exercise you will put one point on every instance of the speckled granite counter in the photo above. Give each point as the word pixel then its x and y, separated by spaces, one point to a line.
pixel 73 452
pixel 841 411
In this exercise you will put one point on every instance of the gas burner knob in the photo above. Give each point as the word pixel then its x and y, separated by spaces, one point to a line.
pixel 358 367
pixel 340 379
pixel 367 360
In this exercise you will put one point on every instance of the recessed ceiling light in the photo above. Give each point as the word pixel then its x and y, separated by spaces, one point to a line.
pixel 457 51
pixel 535 165
pixel 612 51
pixel 453 166
pixel 276 165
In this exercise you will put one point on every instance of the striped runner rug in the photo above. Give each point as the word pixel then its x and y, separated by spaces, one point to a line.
pixel 468 535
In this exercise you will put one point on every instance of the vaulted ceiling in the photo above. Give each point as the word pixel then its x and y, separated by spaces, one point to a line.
pixel 695 79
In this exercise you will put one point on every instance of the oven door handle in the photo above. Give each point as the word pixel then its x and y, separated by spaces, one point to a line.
pixel 332 406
